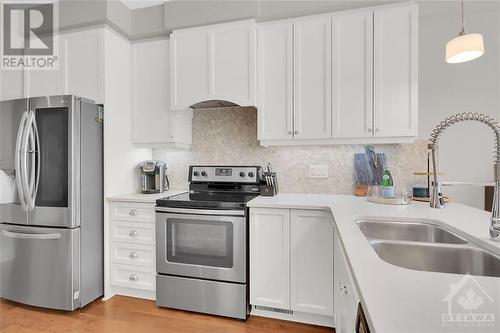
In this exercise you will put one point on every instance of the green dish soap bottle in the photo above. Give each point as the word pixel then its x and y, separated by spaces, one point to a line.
pixel 387 185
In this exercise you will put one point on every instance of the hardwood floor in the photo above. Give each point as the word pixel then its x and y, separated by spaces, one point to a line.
pixel 131 315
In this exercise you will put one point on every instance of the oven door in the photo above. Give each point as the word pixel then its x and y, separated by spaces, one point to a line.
pixel 206 244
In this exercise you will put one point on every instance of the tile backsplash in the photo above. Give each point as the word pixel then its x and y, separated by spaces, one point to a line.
pixel 229 137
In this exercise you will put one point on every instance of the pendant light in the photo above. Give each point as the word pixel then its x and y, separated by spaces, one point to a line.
pixel 465 47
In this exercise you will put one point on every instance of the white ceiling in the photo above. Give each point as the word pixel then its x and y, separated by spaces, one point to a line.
pixel 135 4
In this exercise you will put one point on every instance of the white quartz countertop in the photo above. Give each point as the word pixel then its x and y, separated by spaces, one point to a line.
pixel 397 299
pixel 148 198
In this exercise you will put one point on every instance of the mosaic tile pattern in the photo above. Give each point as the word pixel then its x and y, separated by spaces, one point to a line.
pixel 229 137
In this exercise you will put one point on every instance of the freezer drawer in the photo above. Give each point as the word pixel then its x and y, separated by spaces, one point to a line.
pixel 40 266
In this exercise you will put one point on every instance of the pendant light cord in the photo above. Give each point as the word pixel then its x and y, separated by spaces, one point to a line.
pixel 463 25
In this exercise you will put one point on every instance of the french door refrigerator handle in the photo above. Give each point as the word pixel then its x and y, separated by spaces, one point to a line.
pixel 27 179
pixel 38 155
pixel 33 142
pixel 19 235
pixel 17 160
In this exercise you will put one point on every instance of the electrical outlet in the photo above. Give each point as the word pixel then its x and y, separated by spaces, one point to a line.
pixel 318 171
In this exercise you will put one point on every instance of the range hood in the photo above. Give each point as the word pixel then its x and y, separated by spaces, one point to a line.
pixel 214 104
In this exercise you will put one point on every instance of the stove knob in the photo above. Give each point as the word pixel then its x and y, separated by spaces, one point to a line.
pixel 250 174
pixel 242 174
pixel 196 173
pixel 203 173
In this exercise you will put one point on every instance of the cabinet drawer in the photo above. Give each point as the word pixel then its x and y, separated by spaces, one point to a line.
pixel 133 277
pixel 133 254
pixel 130 232
pixel 136 212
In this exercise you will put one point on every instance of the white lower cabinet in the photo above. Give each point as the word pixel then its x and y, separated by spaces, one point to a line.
pixel 291 263
pixel 132 250
pixel 311 261
pixel 346 297
pixel 270 257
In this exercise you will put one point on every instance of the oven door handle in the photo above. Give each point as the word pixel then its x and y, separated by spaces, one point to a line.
pixel 201 211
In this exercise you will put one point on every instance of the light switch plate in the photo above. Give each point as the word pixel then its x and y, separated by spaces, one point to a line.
pixel 318 171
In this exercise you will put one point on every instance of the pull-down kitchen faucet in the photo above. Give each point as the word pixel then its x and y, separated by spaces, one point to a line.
pixel 437 198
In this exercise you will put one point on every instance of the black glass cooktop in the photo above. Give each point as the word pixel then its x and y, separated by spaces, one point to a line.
pixel 210 200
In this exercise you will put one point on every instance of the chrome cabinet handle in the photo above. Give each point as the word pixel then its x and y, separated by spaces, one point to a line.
pixel 289 132
pixel 133 277
pixel 345 290
pixel 296 132
pixel 133 212
pixel 369 130
pixel 133 255
pixel 377 130
pixel 133 233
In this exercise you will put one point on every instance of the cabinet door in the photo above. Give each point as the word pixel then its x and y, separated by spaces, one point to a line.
pixel 275 81
pixel 346 298
pixel 83 64
pixel 312 261
pixel 11 84
pixel 352 75
pixel 232 69
pixel 270 257
pixel 150 92
pixel 395 71
pixel 312 78
pixel 189 68
pixel 44 82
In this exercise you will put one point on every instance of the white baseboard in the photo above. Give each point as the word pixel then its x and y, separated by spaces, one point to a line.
pixel 123 291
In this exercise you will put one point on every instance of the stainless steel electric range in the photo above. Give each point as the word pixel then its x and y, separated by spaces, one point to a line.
pixel 202 242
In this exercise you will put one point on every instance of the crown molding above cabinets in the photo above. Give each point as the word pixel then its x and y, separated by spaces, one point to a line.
pixel 215 62
pixel 347 77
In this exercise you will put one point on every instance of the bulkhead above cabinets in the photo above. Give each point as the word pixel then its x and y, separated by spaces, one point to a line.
pixel 213 63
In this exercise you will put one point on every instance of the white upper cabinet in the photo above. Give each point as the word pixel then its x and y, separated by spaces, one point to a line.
pixel 348 77
pixel 152 122
pixel 294 79
pixel 312 41
pixel 233 62
pixel 11 84
pixel 150 93
pixel 352 75
pixel 189 68
pixel 275 109
pixel 214 62
pixel 84 64
pixel 395 71
pixel 81 59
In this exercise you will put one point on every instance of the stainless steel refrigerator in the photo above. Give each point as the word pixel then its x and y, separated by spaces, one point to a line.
pixel 51 234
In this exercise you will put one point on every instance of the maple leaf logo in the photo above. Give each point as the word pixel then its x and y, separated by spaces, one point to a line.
pixel 471 301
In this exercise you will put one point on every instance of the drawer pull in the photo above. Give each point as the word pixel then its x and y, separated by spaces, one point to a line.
pixel 133 255
pixel 133 212
pixel 133 233
pixel 133 277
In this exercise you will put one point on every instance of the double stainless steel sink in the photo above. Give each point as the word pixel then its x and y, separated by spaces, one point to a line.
pixel 423 246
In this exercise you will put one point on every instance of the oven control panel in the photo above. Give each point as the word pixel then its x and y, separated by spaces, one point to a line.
pixel 225 174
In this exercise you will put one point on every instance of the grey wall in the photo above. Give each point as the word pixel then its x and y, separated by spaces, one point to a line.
pixel 466 150
pixel 160 20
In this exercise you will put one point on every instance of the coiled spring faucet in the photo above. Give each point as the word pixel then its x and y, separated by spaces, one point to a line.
pixel 437 198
